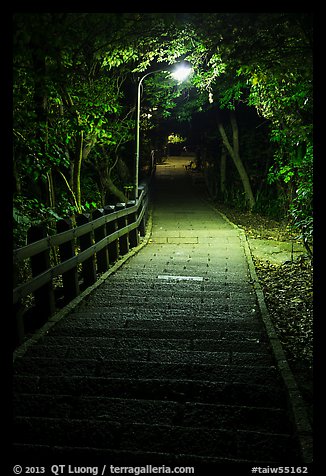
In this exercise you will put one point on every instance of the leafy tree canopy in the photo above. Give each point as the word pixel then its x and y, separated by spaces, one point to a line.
pixel 75 77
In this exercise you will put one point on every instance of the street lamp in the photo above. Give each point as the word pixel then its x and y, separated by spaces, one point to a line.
pixel 180 74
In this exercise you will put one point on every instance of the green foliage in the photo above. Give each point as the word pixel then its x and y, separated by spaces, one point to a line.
pixel 73 77
pixel 28 212
pixel 268 65
pixel 72 95
pixel 89 206
pixel 176 139
pixel 301 208
pixel 271 203
pixel 231 96
pixel 235 197
pixel 91 196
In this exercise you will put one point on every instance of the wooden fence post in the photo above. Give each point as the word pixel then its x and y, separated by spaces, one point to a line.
pixel 142 225
pixel 102 256
pixel 124 239
pixel 44 296
pixel 18 322
pixel 67 250
pixel 111 227
pixel 85 241
pixel 132 218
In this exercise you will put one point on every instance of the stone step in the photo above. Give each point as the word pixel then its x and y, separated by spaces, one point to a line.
pixel 258 387
pixel 101 328
pixel 123 282
pixel 175 439
pixel 168 292
pixel 172 288
pixel 162 350
pixel 150 353
pixel 125 458
pixel 96 347
pixel 165 307
pixel 153 332
pixel 156 412
pixel 218 302
pixel 172 320
pixel 218 277
pixel 154 285
pixel 229 392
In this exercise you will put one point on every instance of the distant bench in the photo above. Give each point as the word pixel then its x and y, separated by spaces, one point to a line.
pixel 192 166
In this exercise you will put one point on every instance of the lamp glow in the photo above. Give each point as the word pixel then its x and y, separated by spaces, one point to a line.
pixel 181 73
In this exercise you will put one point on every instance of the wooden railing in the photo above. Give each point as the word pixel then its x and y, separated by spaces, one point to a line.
pixel 82 253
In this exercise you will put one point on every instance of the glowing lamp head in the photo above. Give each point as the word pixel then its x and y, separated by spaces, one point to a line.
pixel 181 73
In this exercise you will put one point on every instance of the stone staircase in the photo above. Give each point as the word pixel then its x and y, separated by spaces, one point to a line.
pixel 150 370
pixel 167 362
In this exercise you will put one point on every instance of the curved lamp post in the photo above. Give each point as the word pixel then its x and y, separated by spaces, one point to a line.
pixel 181 73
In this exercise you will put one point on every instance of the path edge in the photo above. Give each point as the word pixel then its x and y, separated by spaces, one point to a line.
pixel 297 405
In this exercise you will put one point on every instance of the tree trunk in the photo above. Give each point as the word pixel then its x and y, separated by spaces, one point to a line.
pixel 82 150
pixel 17 178
pixel 123 170
pixel 40 98
pixel 235 155
pixel 113 188
pixel 106 184
pixel 51 192
pixel 77 168
pixel 116 192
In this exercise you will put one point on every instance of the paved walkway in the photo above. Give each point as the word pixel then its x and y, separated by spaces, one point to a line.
pixel 166 362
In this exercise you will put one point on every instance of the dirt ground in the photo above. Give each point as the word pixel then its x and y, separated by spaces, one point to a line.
pixel 286 277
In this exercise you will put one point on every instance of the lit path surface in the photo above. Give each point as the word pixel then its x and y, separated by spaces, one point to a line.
pixel 167 362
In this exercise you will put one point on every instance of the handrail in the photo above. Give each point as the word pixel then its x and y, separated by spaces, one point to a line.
pixel 105 238
pixel 24 289
pixel 54 240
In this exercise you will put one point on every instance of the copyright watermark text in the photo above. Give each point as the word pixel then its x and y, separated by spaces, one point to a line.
pixel 64 469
